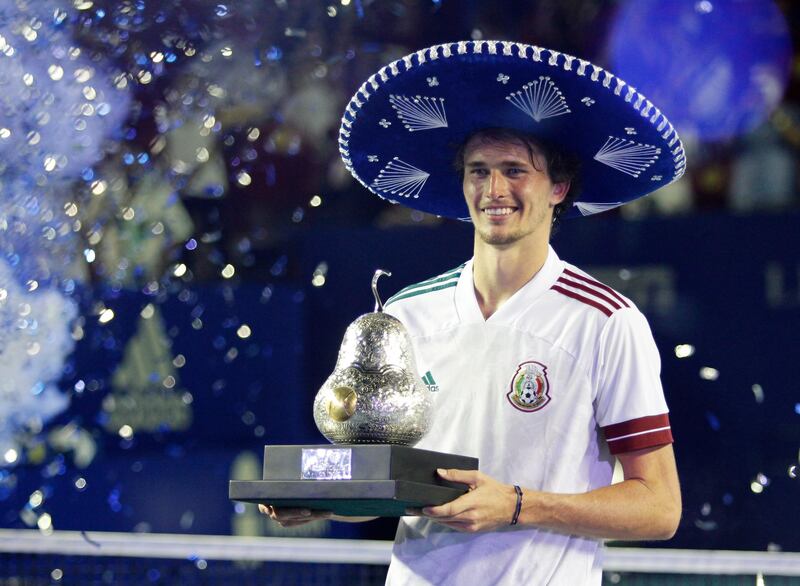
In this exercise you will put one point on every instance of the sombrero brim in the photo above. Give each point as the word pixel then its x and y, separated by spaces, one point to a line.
pixel 402 128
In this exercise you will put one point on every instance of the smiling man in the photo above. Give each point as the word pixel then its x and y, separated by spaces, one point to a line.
pixel 563 376
pixel 512 201
pixel 545 374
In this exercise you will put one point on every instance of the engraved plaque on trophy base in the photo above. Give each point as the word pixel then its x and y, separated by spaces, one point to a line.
pixel 353 479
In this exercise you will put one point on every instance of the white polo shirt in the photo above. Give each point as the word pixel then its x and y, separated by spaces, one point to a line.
pixel 561 377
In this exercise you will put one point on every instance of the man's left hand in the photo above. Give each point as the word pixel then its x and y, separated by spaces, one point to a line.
pixel 488 505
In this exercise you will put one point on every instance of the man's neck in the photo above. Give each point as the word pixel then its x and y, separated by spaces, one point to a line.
pixel 499 272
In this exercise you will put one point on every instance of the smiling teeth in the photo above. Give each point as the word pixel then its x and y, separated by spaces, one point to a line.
pixel 499 211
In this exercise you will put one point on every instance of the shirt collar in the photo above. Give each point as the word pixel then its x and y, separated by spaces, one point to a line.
pixel 467 304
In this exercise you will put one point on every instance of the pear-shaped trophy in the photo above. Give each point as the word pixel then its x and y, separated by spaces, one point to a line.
pixel 373 408
pixel 374 395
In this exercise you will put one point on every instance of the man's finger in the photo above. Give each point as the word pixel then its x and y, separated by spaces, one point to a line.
pixel 452 509
pixel 470 477
pixel 293 523
pixel 281 514
pixel 438 511
pixel 291 517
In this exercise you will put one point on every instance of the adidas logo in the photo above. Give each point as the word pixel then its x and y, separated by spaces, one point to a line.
pixel 429 382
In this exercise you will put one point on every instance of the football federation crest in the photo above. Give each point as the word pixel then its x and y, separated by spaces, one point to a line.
pixel 530 389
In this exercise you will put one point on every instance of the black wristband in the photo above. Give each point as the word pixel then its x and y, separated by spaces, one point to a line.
pixel 518 508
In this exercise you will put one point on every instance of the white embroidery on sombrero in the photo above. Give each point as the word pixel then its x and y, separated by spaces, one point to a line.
pixel 656 115
pixel 401 178
pixel 419 113
pixel 540 99
pixel 627 156
pixel 587 209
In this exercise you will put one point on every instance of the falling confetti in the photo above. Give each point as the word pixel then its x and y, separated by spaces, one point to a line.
pixel 34 341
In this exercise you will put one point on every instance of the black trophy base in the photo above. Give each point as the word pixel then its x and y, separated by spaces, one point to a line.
pixel 353 480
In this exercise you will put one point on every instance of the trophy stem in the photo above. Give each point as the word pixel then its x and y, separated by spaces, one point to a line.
pixel 378 274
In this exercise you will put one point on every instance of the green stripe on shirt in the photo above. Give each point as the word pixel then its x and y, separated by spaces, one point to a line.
pixel 422 291
pixel 451 274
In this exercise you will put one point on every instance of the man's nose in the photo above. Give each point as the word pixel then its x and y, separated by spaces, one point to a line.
pixel 498 184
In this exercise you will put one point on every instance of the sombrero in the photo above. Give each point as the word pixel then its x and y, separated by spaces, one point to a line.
pixel 401 129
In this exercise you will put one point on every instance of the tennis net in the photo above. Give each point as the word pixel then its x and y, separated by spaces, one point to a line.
pixel 29 557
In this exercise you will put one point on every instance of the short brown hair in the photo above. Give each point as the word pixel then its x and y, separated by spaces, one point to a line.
pixel 561 166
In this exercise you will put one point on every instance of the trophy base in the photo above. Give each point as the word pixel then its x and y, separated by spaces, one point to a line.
pixel 353 480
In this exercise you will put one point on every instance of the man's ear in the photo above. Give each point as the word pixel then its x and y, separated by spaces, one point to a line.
pixel 559 192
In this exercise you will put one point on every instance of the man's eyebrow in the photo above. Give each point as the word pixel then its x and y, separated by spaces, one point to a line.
pixel 509 163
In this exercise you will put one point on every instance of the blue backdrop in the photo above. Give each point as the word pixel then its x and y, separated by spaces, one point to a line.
pixel 727 286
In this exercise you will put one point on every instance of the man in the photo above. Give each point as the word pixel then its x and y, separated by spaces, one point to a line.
pixel 543 373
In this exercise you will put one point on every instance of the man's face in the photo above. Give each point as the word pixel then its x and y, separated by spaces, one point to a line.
pixel 509 198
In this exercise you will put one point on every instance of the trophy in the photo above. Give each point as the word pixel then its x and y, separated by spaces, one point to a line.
pixel 373 408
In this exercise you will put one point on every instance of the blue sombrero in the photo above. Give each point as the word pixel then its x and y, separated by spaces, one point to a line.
pixel 401 129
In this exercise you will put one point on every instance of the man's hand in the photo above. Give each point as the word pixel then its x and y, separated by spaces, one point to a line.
pixel 646 505
pixel 488 505
pixel 293 517
pixel 287 517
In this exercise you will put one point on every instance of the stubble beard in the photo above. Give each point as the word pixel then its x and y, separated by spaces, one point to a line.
pixel 497 239
pixel 505 239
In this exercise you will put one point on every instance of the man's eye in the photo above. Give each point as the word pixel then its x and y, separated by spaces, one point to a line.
pixel 479 172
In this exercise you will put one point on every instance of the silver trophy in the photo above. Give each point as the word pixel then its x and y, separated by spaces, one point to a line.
pixel 374 395
pixel 373 408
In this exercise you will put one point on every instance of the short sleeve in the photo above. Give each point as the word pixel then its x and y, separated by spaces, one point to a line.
pixel 629 405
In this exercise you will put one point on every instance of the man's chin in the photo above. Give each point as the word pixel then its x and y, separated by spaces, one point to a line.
pixel 499 238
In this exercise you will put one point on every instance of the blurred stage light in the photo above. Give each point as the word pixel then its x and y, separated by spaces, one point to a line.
pixel 716 67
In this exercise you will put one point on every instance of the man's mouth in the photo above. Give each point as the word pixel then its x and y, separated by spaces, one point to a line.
pixel 499 211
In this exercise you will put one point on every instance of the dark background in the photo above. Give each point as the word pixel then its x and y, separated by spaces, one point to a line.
pixel 709 267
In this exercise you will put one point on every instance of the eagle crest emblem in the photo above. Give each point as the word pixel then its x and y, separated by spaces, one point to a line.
pixel 530 388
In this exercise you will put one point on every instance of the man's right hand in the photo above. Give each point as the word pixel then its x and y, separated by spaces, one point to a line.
pixel 286 517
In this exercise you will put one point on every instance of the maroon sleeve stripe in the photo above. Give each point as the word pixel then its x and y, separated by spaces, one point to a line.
pixel 590 291
pixel 638 425
pixel 641 441
pixel 582 299
pixel 597 284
